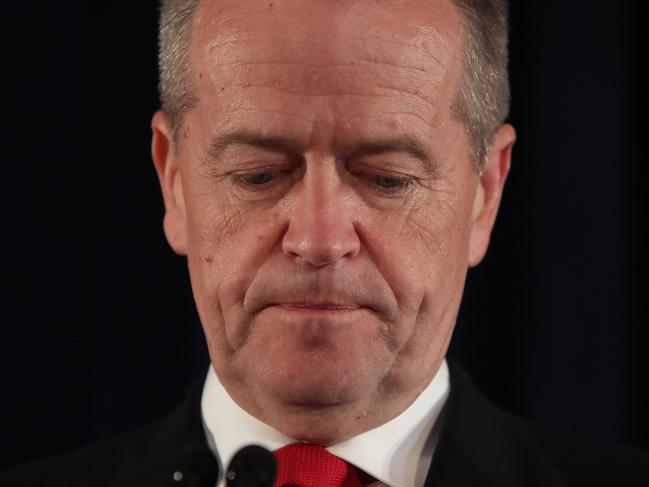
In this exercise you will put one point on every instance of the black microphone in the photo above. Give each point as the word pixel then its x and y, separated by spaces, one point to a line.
pixel 252 466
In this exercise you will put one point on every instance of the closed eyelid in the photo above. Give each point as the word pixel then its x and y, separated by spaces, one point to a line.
pixel 409 146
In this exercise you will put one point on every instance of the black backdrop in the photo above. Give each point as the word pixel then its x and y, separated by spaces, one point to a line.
pixel 99 333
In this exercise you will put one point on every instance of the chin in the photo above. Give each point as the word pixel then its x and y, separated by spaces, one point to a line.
pixel 318 379
pixel 314 363
pixel 319 387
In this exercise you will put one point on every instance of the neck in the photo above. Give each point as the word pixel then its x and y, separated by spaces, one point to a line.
pixel 327 424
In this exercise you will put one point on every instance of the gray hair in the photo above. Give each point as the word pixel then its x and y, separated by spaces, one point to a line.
pixel 174 40
pixel 482 102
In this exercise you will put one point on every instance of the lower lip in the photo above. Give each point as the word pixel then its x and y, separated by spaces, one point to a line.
pixel 315 309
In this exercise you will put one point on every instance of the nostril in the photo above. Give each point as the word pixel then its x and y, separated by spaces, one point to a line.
pixel 320 238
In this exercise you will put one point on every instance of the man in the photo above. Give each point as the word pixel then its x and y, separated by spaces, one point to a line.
pixel 331 170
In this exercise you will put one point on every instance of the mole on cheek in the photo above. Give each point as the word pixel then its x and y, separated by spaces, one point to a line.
pixel 208 259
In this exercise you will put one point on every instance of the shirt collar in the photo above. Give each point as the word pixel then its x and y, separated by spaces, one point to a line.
pixel 397 453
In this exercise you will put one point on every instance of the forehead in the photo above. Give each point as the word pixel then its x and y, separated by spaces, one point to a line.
pixel 375 61
pixel 335 23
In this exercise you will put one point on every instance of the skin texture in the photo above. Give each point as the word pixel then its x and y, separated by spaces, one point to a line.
pixel 327 204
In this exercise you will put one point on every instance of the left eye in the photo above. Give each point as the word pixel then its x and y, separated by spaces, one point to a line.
pixel 389 184
pixel 391 181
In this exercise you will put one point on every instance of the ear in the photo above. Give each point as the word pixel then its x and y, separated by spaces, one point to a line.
pixel 489 192
pixel 167 166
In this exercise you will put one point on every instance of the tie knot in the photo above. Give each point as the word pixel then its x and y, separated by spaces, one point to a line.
pixel 304 465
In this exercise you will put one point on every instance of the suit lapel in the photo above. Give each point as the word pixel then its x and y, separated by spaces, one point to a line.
pixel 452 467
pixel 481 445
pixel 179 454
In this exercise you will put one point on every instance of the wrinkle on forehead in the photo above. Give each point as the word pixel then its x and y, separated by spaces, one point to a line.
pixel 427 44
pixel 354 61
pixel 417 35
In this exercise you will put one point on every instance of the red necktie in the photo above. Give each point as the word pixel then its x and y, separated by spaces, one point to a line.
pixel 304 465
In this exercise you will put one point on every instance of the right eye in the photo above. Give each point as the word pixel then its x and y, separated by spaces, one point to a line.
pixel 256 179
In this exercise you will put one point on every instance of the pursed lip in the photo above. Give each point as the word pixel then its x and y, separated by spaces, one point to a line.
pixel 315 307
pixel 345 300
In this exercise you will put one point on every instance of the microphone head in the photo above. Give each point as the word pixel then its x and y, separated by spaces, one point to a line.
pixel 252 466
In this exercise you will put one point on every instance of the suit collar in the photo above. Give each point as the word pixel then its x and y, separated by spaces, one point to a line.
pixel 180 455
pixel 481 445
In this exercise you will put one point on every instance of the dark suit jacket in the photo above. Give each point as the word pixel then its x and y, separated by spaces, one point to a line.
pixel 480 445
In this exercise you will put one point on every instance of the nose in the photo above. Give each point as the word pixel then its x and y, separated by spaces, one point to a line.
pixel 321 229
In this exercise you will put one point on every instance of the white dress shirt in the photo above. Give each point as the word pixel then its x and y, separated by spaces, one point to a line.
pixel 397 453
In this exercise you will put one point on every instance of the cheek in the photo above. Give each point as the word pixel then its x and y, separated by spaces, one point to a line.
pixel 226 247
pixel 425 255
pixel 429 238
pixel 210 232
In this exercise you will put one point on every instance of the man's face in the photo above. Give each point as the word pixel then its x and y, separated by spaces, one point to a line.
pixel 327 202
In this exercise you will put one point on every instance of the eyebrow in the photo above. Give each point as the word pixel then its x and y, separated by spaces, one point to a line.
pixel 404 144
pixel 254 139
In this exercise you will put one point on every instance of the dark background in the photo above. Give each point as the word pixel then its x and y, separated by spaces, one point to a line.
pixel 99 333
